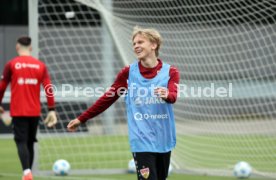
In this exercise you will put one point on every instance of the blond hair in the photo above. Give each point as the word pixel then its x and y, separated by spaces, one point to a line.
pixel 152 34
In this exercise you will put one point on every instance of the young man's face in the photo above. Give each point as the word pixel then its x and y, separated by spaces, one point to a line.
pixel 142 47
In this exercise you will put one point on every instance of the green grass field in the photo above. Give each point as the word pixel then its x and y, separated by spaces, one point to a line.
pixel 223 151
pixel 10 168
pixel 197 151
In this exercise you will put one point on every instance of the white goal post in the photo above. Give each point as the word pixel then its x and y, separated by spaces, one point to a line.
pixel 224 50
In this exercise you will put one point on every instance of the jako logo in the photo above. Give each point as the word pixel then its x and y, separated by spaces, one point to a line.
pixel 138 101
pixel 31 81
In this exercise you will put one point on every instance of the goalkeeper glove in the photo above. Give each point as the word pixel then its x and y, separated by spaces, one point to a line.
pixel 51 119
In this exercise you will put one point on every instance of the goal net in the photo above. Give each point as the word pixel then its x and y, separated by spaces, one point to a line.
pixel 224 50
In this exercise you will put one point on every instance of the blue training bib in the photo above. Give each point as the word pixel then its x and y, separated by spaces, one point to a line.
pixel 151 122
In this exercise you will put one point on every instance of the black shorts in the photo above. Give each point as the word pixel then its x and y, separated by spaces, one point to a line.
pixel 152 166
pixel 25 128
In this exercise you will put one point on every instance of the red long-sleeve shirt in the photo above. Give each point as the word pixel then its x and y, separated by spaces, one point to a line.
pixel 26 74
pixel 121 82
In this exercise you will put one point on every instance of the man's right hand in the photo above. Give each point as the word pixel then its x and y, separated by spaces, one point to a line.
pixel 73 125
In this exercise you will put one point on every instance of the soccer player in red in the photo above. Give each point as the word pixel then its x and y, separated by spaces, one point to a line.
pixel 151 123
pixel 26 74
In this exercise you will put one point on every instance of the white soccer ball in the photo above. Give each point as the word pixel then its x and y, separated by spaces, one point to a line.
pixel 131 166
pixel 242 170
pixel 61 167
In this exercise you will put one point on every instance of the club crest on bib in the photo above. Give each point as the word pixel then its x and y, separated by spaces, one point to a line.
pixel 145 172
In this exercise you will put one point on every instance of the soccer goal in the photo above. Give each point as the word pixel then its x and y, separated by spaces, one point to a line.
pixel 224 50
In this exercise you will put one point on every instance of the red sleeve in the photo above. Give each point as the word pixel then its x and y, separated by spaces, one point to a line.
pixel 5 79
pixel 109 97
pixel 48 88
pixel 172 85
